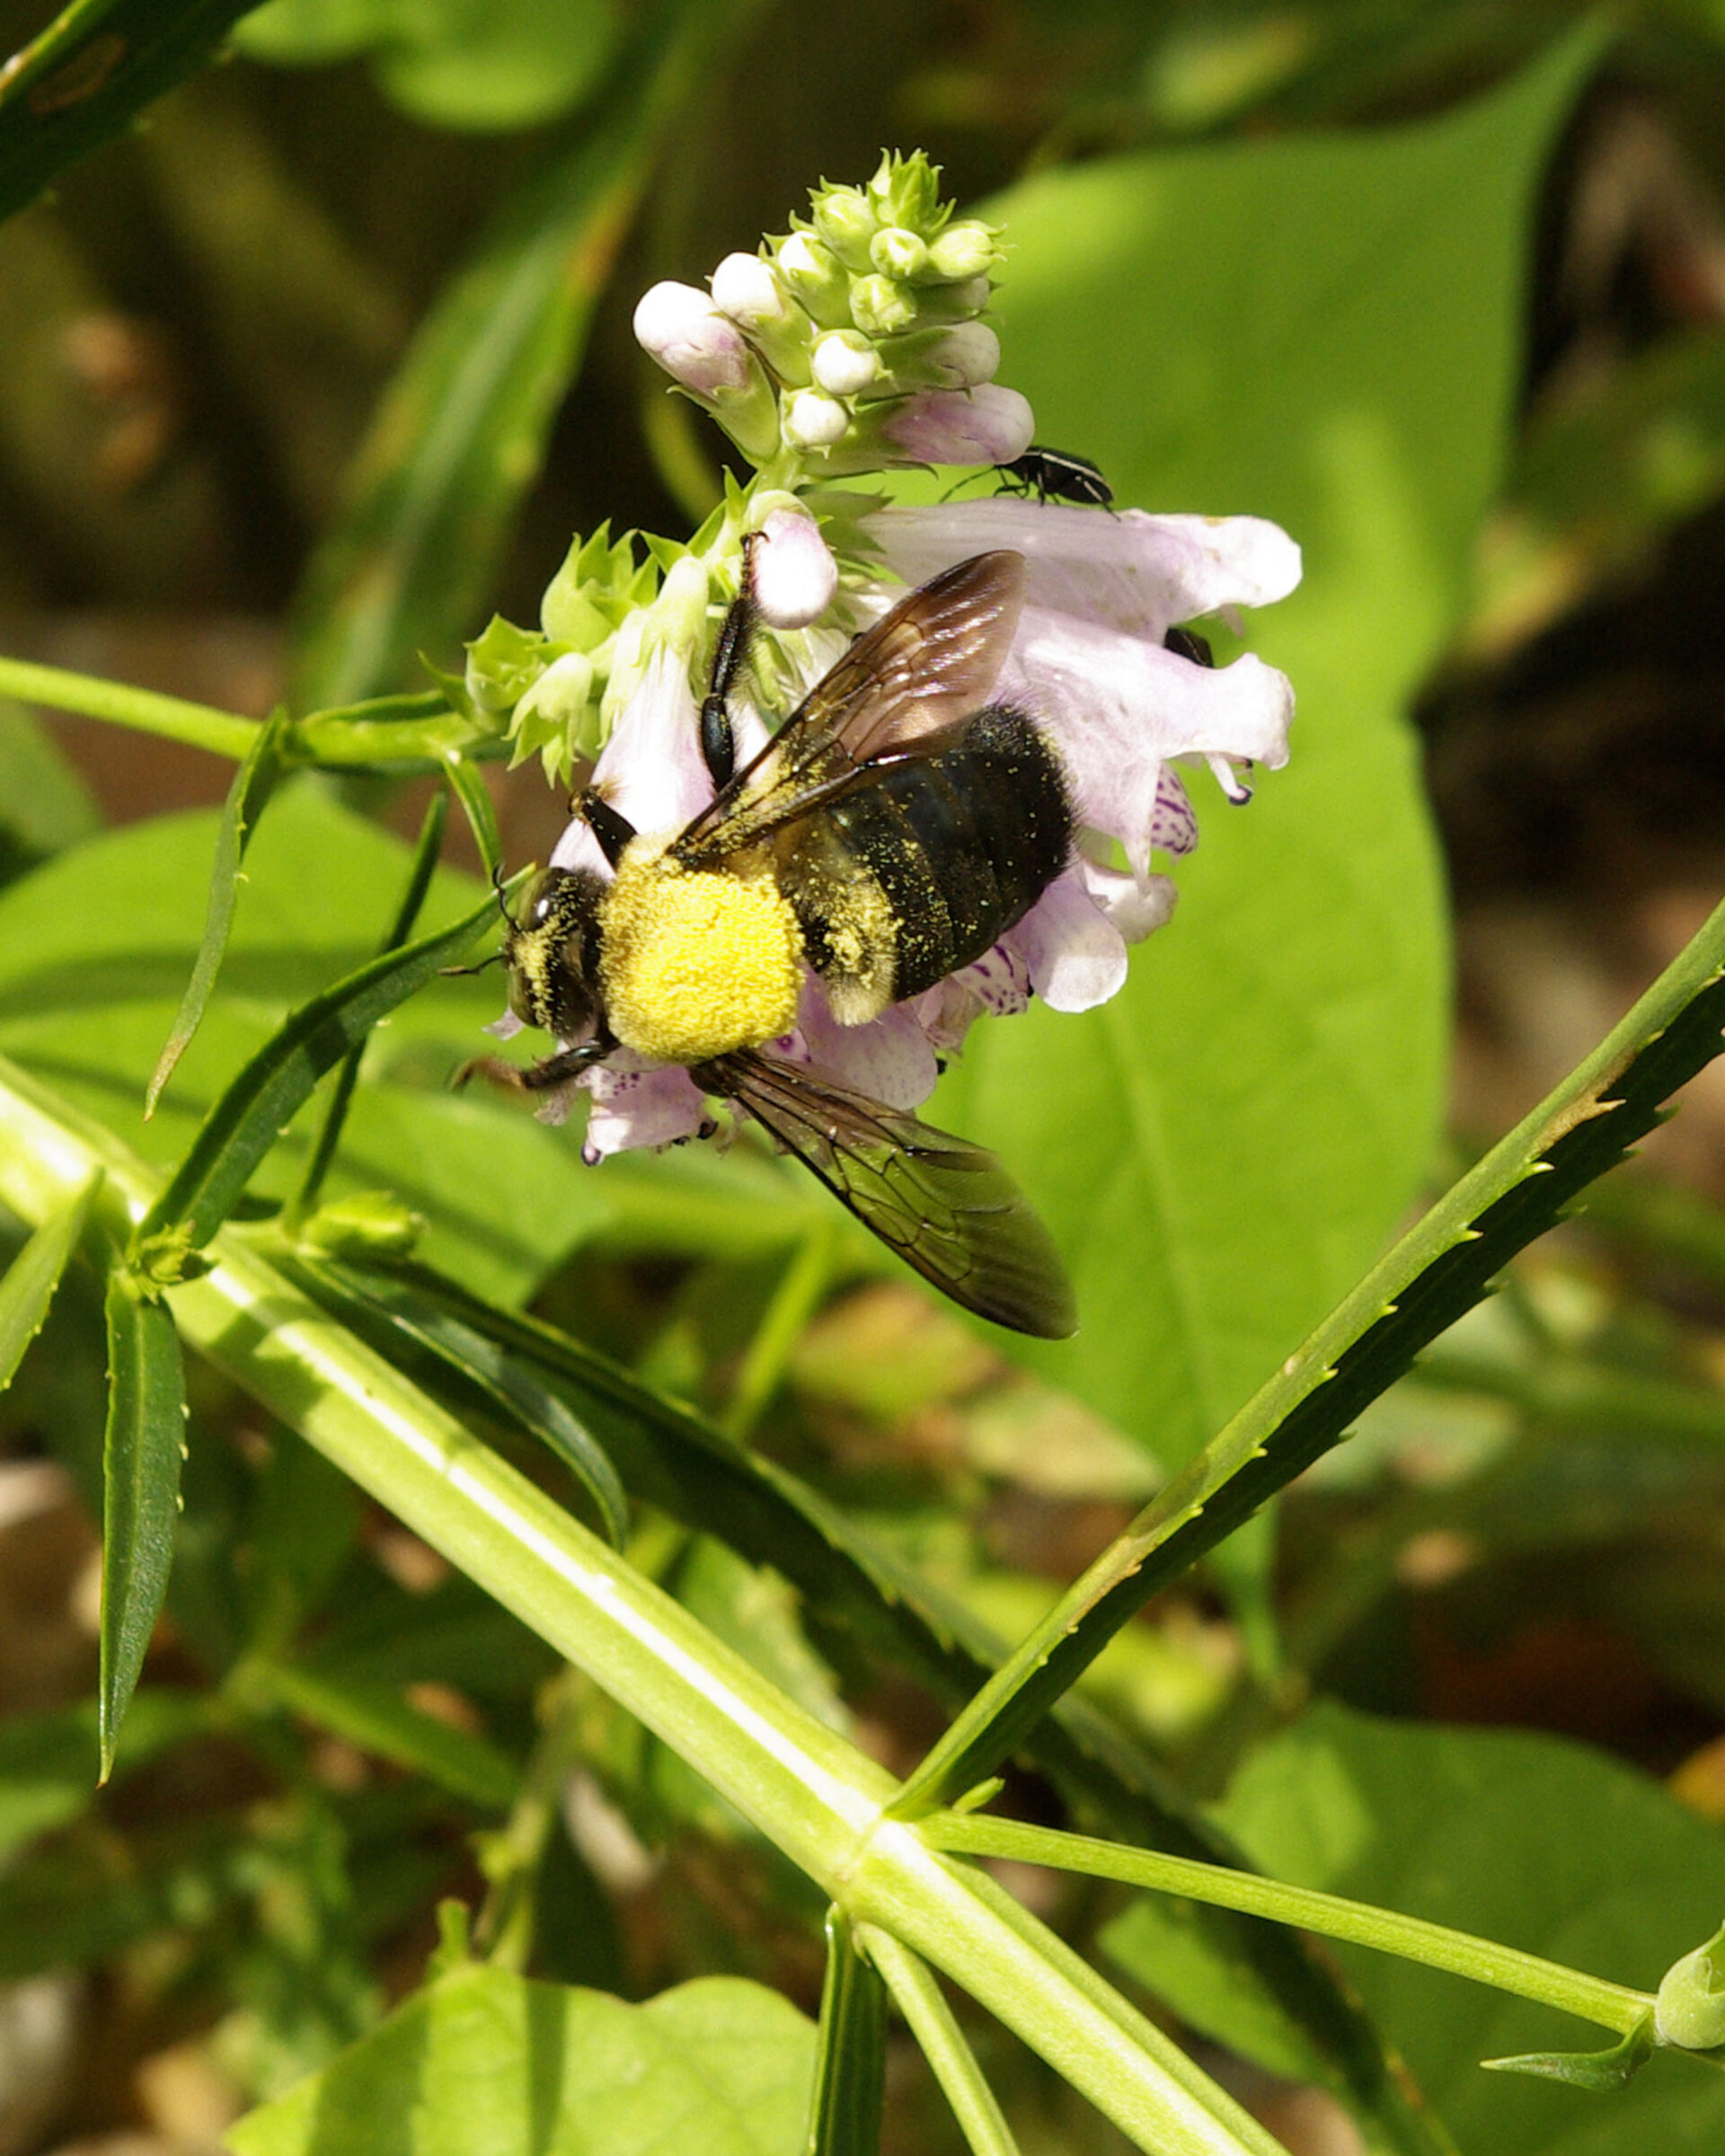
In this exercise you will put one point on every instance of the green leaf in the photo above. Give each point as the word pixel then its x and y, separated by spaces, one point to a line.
pixel 467 783
pixel 92 72
pixel 44 803
pixel 420 870
pixel 511 1391
pixel 459 436
pixel 1604 2072
pixel 483 2064
pixel 250 1117
pixel 378 1719
pixel 32 1276
pixel 851 2050
pixel 1533 1839
pixel 140 1479
pixel 511 63
pixel 1326 332
pixel 253 782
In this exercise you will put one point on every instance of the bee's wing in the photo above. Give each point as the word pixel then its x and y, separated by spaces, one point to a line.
pixel 947 1206
pixel 923 667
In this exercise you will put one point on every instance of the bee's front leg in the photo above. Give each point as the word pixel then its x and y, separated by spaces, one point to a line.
pixel 537 1077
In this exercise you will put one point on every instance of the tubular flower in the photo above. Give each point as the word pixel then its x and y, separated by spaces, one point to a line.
pixel 851 345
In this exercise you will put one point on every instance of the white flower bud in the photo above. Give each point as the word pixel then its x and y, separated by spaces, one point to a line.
pixel 679 616
pixel 817 277
pixel 792 570
pixel 844 363
pixel 744 287
pixel 681 329
pixel 812 419
pixel 990 425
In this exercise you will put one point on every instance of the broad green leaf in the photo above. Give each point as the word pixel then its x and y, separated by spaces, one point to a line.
pixel 1531 1840
pixel 511 64
pixel 90 74
pixel 483 2064
pixel 378 1719
pixel 44 803
pixel 142 1452
pixel 95 947
pixel 32 1278
pixel 252 1114
pixel 253 782
pixel 460 433
pixel 1324 331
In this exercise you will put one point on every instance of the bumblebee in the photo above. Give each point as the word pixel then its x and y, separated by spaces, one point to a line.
pixel 891 831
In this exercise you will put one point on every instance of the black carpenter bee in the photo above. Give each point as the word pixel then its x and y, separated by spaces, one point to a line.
pixel 1056 475
pixel 888 835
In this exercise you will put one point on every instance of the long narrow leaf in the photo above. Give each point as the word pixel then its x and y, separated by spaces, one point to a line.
pixel 1438 1270
pixel 90 74
pixel 460 434
pixel 32 1276
pixel 253 784
pixel 377 1718
pixel 467 782
pixel 504 1383
pixel 141 1455
pixel 846 2101
pixel 420 872
pixel 279 1079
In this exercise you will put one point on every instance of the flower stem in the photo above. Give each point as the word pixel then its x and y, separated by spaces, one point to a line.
pixel 1611 2005
pixel 198 725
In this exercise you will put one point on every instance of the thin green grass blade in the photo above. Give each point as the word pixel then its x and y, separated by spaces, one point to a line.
pixel 467 782
pixel 846 2101
pixel 253 782
pixel 277 1082
pixel 141 1455
pixel 428 848
pixel 90 74
pixel 32 1276
pixel 460 434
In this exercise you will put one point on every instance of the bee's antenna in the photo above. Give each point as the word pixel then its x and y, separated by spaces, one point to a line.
pixel 510 920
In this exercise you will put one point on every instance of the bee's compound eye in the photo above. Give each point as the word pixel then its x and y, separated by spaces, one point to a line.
pixel 542 895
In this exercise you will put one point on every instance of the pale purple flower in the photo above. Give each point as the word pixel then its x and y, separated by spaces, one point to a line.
pixel 1088 663
pixel 988 425
pixel 695 344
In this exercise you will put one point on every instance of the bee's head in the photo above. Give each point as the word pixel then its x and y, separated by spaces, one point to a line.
pixel 552 951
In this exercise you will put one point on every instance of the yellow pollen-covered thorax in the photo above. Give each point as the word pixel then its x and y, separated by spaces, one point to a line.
pixel 696 964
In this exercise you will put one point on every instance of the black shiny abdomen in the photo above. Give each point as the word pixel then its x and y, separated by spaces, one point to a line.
pixel 963 842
